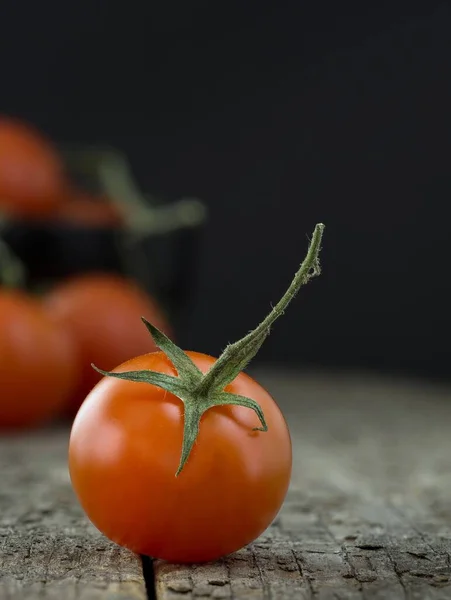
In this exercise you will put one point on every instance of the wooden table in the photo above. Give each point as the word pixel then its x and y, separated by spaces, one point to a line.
pixel 368 514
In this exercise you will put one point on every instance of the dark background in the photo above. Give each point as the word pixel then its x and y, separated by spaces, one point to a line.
pixel 277 115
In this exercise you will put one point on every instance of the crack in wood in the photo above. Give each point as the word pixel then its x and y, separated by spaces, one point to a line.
pixel 149 577
pixel 397 573
pixel 48 550
pixel 263 583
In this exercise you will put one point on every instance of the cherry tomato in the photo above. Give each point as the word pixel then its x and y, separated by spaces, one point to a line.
pixel 102 313
pixel 87 210
pixel 124 451
pixel 182 456
pixel 38 362
pixel 32 180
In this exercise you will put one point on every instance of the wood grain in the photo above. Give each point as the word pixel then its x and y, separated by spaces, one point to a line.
pixel 368 515
pixel 48 550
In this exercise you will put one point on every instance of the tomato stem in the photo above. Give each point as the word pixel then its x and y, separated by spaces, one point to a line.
pixel 238 355
pixel 200 392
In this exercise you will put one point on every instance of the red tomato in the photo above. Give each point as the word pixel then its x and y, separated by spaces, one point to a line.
pixel 32 181
pixel 102 313
pixel 182 456
pixel 38 362
pixel 125 448
pixel 86 210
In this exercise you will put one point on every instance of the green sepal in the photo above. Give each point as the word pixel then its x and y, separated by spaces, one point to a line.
pixel 226 399
pixel 181 361
pixel 200 392
pixel 171 384
pixel 191 422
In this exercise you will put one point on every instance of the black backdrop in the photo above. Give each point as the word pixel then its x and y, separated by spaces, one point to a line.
pixel 277 115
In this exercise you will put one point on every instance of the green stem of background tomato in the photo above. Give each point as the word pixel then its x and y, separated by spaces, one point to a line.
pixel 12 270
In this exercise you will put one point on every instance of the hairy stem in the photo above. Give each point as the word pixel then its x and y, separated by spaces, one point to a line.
pixel 250 344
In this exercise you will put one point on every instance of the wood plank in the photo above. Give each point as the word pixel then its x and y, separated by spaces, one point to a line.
pixel 368 515
pixel 48 550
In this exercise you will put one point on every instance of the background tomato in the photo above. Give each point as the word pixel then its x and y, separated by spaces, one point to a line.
pixel 84 209
pixel 102 313
pixel 38 362
pixel 32 180
pixel 125 448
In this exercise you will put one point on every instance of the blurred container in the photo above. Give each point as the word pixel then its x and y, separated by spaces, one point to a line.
pixel 157 244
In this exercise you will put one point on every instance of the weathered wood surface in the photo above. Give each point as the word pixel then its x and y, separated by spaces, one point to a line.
pixel 48 549
pixel 368 515
pixel 369 511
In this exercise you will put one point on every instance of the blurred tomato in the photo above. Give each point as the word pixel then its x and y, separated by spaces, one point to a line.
pixel 84 209
pixel 38 362
pixel 32 181
pixel 102 313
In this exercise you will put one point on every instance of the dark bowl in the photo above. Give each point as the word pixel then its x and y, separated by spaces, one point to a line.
pixel 158 244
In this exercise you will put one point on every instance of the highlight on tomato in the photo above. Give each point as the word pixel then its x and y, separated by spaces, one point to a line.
pixel 181 456
pixel 101 312
pixel 32 178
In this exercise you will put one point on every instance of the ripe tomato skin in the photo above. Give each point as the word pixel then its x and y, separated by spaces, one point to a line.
pixel 125 448
pixel 32 180
pixel 102 313
pixel 38 363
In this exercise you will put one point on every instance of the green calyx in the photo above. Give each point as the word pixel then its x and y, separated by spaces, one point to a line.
pixel 200 392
